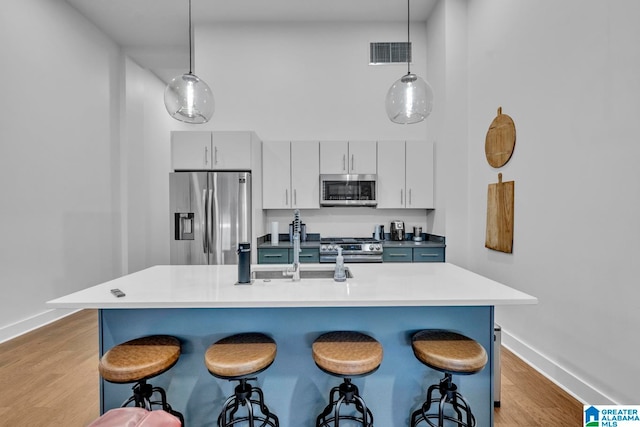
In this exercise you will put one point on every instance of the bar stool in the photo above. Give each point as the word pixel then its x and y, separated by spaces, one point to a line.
pixel 238 358
pixel 450 353
pixel 138 360
pixel 346 354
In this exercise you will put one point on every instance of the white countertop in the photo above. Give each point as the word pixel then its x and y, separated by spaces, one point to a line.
pixel 397 284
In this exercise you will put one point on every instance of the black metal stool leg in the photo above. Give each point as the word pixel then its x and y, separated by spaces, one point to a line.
pixel 448 395
pixel 443 400
pixel 242 398
pixel 141 398
pixel 366 413
pixel 336 411
pixel 326 411
pixel 421 414
pixel 222 418
pixel 347 393
pixel 455 404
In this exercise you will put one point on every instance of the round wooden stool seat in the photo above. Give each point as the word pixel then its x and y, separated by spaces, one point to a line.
pixel 449 351
pixel 240 355
pixel 346 353
pixel 139 359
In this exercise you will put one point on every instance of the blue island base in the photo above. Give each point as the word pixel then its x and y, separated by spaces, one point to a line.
pixel 295 389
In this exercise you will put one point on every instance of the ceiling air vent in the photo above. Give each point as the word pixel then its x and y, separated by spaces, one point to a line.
pixel 389 53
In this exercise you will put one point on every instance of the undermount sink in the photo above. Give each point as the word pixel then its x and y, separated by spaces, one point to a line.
pixel 304 274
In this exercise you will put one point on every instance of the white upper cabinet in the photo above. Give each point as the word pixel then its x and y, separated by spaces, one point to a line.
pixel 305 174
pixel 231 150
pixel 419 174
pixel 348 157
pixel 190 150
pixel 405 174
pixel 290 175
pixel 276 174
pixel 202 150
pixel 333 157
pixel 391 176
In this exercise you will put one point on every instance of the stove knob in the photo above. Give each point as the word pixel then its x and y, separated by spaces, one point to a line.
pixel 323 247
pixel 371 247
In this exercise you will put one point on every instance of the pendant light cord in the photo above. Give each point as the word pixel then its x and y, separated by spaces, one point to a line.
pixel 190 59
pixel 408 39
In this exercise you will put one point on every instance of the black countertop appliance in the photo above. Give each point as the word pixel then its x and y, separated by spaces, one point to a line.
pixel 397 230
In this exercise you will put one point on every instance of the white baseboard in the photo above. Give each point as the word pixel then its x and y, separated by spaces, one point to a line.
pixel 22 327
pixel 564 379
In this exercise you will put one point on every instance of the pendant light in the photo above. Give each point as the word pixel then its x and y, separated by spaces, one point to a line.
pixel 410 99
pixel 186 97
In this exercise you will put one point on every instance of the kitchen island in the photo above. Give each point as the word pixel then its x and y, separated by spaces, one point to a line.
pixel 201 304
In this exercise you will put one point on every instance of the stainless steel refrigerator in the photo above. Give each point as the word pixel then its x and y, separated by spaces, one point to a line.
pixel 210 216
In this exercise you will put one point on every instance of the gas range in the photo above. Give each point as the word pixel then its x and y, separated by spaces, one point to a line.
pixel 354 249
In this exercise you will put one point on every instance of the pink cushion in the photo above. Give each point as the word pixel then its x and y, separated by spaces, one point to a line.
pixel 159 418
pixel 136 417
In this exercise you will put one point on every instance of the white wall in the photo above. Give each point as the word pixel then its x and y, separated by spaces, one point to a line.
pixel 59 166
pixel 304 80
pixel 309 81
pixel 447 70
pixel 146 163
pixel 567 73
pixel 349 222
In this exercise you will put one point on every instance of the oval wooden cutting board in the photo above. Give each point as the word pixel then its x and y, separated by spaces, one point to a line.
pixel 500 216
pixel 500 140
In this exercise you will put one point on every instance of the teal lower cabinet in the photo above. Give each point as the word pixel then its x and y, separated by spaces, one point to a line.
pixel 310 255
pixel 390 254
pixel 397 254
pixel 273 256
pixel 428 255
pixel 285 255
pixel 423 254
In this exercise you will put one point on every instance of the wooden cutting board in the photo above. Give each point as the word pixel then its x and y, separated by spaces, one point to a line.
pixel 500 216
pixel 500 140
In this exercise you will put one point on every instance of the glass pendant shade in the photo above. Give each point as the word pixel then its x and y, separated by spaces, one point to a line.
pixel 409 100
pixel 189 99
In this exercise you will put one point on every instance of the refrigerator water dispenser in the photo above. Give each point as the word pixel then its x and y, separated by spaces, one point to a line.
pixel 184 226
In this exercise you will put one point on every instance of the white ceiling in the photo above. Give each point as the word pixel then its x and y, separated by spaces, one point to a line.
pixel 155 32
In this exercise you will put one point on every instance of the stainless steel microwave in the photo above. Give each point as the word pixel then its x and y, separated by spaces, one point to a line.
pixel 348 190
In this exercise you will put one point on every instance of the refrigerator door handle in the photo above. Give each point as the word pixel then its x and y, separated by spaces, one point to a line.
pixel 210 230
pixel 204 222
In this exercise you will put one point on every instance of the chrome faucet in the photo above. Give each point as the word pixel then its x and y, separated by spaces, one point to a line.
pixel 294 270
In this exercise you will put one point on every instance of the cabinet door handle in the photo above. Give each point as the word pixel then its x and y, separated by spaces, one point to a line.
pixel 397 255
pixel 352 164
pixel 273 256
pixel 410 197
pixel 295 197
pixel 286 197
pixel 344 162
pixel 401 201
pixel 215 155
pixel 306 256
pixel 428 255
pixel 206 156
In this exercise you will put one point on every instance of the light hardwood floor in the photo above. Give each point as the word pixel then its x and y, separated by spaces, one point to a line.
pixel 49 377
